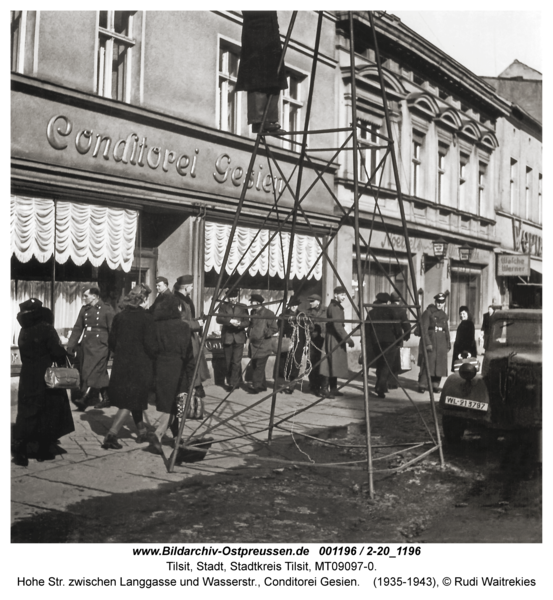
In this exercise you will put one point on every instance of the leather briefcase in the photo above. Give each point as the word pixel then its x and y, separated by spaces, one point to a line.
pixel 66 378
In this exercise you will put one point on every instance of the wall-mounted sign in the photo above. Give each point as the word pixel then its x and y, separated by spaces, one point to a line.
pixel 513 265
pixel 524 240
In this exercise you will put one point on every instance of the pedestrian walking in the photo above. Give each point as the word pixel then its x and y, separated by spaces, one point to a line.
pixel 434 330
pixel 43 413
pixel 262 328
pixel 174 352
pixel 89 341
pixel 182 290
pixel 133 341
pixel 336 362
pixel 381 335
pixel 234 317
pixel 258 74
pixel 486 326
pixel 400 314
pixel 464 338
pixel 317 331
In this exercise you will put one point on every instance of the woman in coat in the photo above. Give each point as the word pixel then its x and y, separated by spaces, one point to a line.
pixel 336 362
pixel 464 338
pixel 133 342
pixel 174 352
pixel 43 413
pixel 435 336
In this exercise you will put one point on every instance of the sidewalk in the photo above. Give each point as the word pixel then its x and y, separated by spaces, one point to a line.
pixel 86 470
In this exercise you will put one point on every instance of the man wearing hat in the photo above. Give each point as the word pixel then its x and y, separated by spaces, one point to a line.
pixel 380 336
pixel 181 290
pixel 289 366
pixel 317 331
pixel 89 341
pixel 262 328
pixel 336 362
pixel 434 331
pixel 234 318
pixel 162 287
pixel 400 314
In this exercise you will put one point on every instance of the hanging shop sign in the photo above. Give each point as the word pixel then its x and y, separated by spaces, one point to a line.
pixel 525 240
pixel 513 265
pixel 70 136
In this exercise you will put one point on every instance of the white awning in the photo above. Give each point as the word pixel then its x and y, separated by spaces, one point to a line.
pixel 79 231
pixel 272 260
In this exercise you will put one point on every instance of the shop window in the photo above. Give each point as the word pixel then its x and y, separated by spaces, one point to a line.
pixel 416 163
pixel 18 24
pixel 512 185
pixel 229 100
pixel 292 105
pixel 115 44
pixel 465 291
pixel 369 154
pixel 378 277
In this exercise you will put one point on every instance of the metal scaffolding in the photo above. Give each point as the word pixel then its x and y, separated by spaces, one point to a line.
pixel 349 216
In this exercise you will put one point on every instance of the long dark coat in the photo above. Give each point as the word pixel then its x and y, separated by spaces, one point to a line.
pixel 188 315
pixel 261 331
pixel 94 323
pixel 174 353
pixel 380 336
pixel 464 340
pixel 431 318
pixel 231 334
pixel 336 363
pixel 133 341
pixel 260 53
pixel 42 413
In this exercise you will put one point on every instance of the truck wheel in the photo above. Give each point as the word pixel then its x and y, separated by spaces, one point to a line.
pixel 453 429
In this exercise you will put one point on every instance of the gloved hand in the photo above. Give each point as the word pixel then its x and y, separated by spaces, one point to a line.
pixel 351 343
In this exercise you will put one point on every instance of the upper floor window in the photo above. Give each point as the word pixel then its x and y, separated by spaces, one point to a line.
pixel 441 191
pixel 512 184
pixel 291 109
pixel 228 105
pixel 416 163
pixel 369 155
pixel 527 192
pixel 463 162
pixel 115 43
pixel 539 198
pixel 18 22
pixel 482 167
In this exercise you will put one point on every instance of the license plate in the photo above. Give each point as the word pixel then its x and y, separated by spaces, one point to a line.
pixel 466 403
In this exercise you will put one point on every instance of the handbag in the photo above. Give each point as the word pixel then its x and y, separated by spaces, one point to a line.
pixel 195 410
pixel 405 359
pixel 65 378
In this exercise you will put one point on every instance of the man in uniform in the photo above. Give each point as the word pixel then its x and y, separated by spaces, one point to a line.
pixel 435 336
pixel 234 318
pixel 262 328
pixel 317 333
pixel 89 341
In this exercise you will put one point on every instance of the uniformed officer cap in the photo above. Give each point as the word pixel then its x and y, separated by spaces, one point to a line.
pixel 94 291
pixel 185 280
pixel 257 298
pixel 439 297
pixel 164 279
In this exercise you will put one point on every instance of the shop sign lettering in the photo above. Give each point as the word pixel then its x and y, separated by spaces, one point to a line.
pixel 509 265
pixel 526 241
pixel 136 151
pixel 397 242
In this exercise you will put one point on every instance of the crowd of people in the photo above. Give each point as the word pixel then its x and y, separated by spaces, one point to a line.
pixel 158 349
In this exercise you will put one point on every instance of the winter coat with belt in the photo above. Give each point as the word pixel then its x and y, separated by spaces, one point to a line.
pixel 133 341
pixel 261 330
pixel 94 323
pixel 42 413
pixel 336 363
pixel 435 335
